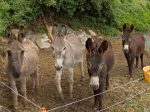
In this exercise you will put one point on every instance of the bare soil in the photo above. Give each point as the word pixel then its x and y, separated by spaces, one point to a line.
pixel 48 96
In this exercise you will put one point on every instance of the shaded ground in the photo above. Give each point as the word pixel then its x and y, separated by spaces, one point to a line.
pixel 48 96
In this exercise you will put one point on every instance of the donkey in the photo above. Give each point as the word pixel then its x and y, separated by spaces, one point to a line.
pixel 67 51
pixel 133 46
pixel 22 61
pixel 100 60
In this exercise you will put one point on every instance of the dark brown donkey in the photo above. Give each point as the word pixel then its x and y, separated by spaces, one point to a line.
pixel 22 61
pixel 100 60
pixel 133 46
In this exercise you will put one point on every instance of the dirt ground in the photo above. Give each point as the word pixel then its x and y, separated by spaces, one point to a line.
pixel 48 96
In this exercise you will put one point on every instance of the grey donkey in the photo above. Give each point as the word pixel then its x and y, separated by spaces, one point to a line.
pixel 22 61
pixel 67 51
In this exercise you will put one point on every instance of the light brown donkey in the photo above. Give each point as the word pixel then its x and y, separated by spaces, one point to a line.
pixel 22 61
pixel 67 51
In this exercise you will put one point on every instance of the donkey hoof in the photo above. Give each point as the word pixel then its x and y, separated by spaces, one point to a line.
pixel 100 110
pixel 25 103
pixel 130 77
pixel 15 109
pixel 106 88
pixel 62 97
pixel 71 96
pixel 95 107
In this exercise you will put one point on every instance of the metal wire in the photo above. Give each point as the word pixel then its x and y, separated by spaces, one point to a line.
pixel 94 95
pixel 20 95
pixel 129 98
pixel 2 107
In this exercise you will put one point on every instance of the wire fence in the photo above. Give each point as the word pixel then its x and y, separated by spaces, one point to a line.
pixel 3 108
pixel 20 95
pixel 133 81
pixel 66 105
pixel 129 98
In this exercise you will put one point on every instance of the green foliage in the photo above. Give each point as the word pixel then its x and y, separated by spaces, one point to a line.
pixel 100 9
pixel 17 12
pixel 133 11
pixel 106 16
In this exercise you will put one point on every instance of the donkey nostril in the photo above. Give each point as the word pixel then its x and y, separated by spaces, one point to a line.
pixel 58 68
pixel 94 87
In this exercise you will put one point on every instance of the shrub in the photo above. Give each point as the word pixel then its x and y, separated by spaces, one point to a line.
pixel 17 12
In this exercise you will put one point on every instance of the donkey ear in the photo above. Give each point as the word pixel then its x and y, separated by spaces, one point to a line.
pixel 21 34
pixel 8 34
pixel 131 27
pixel 103 47
pixel 89 44
pixel 54 30
pixel 63 30
pixel 124 26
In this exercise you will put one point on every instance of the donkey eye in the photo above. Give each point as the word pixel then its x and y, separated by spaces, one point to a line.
pixel 64 48
pixel 22 52
pixel 52 48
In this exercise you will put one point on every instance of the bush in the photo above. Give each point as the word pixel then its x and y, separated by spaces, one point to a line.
pixel 106 16
pixel 134 12
pixel 17 12
pixel 99 9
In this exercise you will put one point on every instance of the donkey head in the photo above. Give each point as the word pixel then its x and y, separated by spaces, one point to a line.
pixel 126 37
pixel 95 61
pixel 15 51
pixel 58 45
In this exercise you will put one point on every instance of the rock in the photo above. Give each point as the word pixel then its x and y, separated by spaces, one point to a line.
pixel 43 41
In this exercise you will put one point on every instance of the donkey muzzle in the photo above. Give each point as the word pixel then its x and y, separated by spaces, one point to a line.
pixel 125 51
pixel 58 68
pixel 16 74
pixel 94 82
pixel 94 87
pixel 126 48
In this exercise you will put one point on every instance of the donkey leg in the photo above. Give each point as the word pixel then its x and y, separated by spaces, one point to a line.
pixel 70 80
pixel 23 89
pixel 15 95
pixel 128 62
pixel 107 81
pixel 82 70
pixel 141 60
pixel 131 62
pixel 95 106
pixel 100 97
pixel 137 61
pixel 35 79
pixel 58 83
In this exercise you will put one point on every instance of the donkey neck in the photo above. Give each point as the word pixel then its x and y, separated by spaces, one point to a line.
pixel 68 58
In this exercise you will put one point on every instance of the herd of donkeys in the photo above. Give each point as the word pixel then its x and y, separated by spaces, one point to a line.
pixel 22 56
